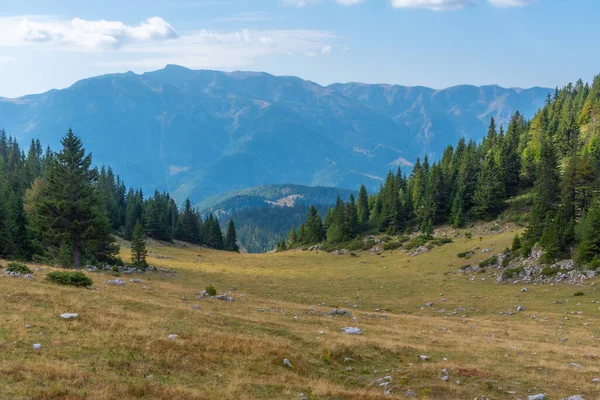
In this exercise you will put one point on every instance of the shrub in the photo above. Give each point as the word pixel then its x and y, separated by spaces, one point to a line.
pixel 468 235
pixel 392 246
pixel 415 242
pixel 550 271
pixel 594 264
pixel 115 268
pixel 465 267
pixel 489 261
pixel 78 279
pixel 210 289
pixel 578 294
pixel 441 241
pixel 465 254
pixel 511 272
pixel 18 267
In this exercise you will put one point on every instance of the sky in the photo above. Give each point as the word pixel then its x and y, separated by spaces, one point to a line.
pixel 436 43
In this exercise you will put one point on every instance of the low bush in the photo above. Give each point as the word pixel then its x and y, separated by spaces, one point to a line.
pixel 465 254
pixel 18 267
pixel 415 242
pixel 210 289
pixel 489 261
pixel 576 294
pixel 441 241
pixel 392 245
pixel 511 272
pixel 78 279
pixel 550 271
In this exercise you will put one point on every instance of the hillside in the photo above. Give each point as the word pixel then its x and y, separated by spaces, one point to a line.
pixel 427 328
pixel 201 133
pixel 264 214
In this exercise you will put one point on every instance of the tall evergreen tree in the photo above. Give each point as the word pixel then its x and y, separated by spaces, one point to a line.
pixel 231 238
pixel 138 246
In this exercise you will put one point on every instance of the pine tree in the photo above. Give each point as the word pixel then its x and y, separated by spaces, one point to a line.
pixel 363 205
pixel 138 246
pixel 292 237
pixel 69 204
pixel 590 240
pixel 231 238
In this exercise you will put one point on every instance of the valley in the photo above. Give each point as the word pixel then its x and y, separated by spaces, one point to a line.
pixel 405 306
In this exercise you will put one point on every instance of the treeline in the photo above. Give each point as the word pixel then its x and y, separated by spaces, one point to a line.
pixel 55 207
pixel 555 157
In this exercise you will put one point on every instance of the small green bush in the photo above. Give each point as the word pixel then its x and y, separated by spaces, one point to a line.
pixel 511 272
pixel 18 267
pixel 550 271
pixel 392 246
pixel 441 241
pixel 210 289
pixel 78 279
pixel 468 235
pixel 465 267
pixel 578 294
pixel 465 254
pixel 115 268
pixel 489 261
pixel 415 242
pixel 594 264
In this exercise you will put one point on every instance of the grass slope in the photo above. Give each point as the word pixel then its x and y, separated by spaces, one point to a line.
pixel 118 347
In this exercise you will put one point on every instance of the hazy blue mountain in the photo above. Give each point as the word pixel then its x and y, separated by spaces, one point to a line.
pixel 200 133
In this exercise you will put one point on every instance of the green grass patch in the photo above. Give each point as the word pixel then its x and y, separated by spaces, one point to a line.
pixel 511 272
pixel 489 261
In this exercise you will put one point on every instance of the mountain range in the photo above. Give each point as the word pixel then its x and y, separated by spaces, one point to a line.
pixel 199 133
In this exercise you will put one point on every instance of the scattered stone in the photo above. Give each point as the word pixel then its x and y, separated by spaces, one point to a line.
pixel 37 346
pixel 540 396
pixel 419 250
pixel 445 371
pixel 410 394
pixel 223 297
pixel 429 304
pixel 520 308
pixel 287 363
pixel 596 380
pixel 116 282
pixel 29 277
pixel 172 336
pixel 348 359
pixel 444 378
pixel 136 280
pixel 352 330
pixel 575 397
pixel 196 307
pixel 344 313
pixel 69 315
pixel 525 289
pixel 424 357
pixel 575 365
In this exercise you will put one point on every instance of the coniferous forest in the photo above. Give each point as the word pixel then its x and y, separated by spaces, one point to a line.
pixel 550 163
pixel 56 207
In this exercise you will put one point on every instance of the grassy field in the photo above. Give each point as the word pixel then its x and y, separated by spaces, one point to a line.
pixel 119 346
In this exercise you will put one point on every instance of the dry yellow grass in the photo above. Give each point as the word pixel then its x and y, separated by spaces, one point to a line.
pixel 118 347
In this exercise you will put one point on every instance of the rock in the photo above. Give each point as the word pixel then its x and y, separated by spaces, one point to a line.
pixel 596 380
pixel 172 336
pixel 520 308
pixel 37 346
pixel 287 363
pixel 445 371
pixel 410 394
pixel 352 330
pixel 223 297
pixel 344 313
pixel 419 250
pixel 424 357
pixel 429 304
pixel 537 397
pixel 116 282
pixel 575 397
pixel 203 294
pixel 69 315
pixel 348 359
pixel 196 307
pixel 29 277
pixel 444 378
pixel 575 365
pixel 525 289
pixel 136 280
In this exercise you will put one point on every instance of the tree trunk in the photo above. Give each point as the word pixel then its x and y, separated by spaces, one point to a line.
pixel 76 261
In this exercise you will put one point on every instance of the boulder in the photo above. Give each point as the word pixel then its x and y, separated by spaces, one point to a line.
pixel 352 330
pixel 69 315
pixel 116 282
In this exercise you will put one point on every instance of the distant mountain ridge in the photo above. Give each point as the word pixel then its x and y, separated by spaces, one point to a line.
pixel 201 133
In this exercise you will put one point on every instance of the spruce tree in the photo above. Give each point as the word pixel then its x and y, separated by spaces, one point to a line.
pixel 138 246
pixel 363 205
pixel 590 240
pixel 69 204
pixel 231 238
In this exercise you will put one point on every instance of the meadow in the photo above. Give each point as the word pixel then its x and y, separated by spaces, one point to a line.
pixel 406 307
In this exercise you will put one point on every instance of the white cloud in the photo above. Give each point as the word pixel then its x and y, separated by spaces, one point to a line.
pixel 79 33
pixel 447 5
pixel 304 3
pixel 434 5
pixel 511 3
pixel 154 42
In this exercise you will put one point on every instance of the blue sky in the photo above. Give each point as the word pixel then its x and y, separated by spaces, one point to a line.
pixel 436 43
